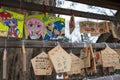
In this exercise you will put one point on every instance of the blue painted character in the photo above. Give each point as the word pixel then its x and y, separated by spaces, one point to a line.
pixel 13 30
pixel 58 30
pixel 49 29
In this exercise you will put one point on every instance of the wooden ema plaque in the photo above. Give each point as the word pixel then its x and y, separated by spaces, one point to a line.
pixel 61 59
pixel 88 27
pixel 109 57
pixel 86 59
pixel 89 61
pixel 42 64
pixel 72 24
pixel 76 64
pixel 117 66
pixel 102 27
pixel 115 30
pixel 92 67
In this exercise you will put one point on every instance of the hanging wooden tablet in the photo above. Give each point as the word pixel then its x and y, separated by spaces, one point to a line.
pixel 117 66
pixel 14 22
pixel 3 27
pixel 76 65
pixel 115 30
pixel 42 64
pixel 112 29
pixel 61 59
pixel 72 24
pixel 109 57
pixel 102 27
pixel 34 27
pixel 88 27
pixel 54 27
pixel 92 67
pixel 86 59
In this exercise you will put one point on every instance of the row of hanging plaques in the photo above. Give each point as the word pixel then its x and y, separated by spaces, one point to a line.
pixel 41 26
pixel 62 61
pixel 36 26
pixel 58 59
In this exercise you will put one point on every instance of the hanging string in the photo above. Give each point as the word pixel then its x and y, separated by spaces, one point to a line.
pixel 0 3
pixel 20 3
pixel 44 8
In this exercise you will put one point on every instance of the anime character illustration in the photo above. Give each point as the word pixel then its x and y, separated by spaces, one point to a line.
pixel 13 31
pixel 58 30
pixel 49 30
pixel 4 15
pixel 35 28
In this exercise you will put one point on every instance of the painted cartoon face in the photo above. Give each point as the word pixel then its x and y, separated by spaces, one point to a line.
pixel 13 30
pixel 58 29
pixel 49 28
pixel 11 23
pixel 35 27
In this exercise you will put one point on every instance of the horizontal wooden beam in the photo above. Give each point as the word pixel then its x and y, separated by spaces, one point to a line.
pixel 51 44
pixel 101 3
pixel 55 10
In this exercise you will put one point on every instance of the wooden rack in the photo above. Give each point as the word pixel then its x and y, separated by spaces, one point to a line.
pixel 51 44
pixel 51 9
pixel 55 10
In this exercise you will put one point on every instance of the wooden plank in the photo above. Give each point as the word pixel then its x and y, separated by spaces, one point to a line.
pixel 55 10
pixel 51 44
pixel 101 3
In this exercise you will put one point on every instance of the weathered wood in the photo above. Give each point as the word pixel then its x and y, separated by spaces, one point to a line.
pixel 55 10
pixel 113 4
pixel 37 44
pixel 51 44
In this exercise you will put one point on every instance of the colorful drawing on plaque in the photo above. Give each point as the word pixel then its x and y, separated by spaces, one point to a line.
pixel 35 28
pixel 54 27
pixel 102 27
pixel 88 27
pixel 14 22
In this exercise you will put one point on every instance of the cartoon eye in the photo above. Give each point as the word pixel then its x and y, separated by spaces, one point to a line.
pixel 38 26
pixel 31 25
